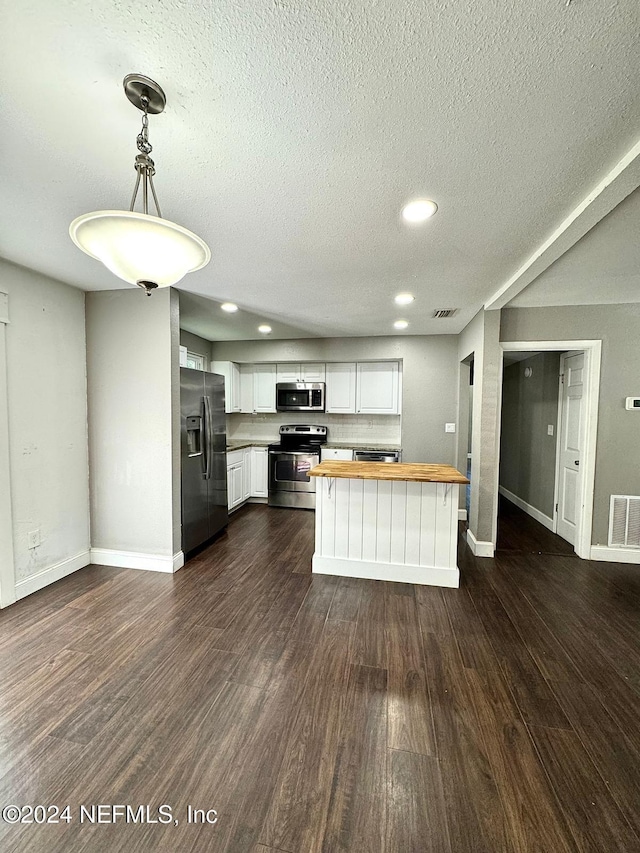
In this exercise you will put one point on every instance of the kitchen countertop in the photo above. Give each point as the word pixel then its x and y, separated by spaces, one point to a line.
pixel 354 445
pixel 240 444
pixel 407 471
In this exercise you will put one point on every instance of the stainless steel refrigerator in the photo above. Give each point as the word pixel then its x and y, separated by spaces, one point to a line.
pixel 204 456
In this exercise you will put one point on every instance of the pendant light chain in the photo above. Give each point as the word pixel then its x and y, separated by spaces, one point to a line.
pixel 144 165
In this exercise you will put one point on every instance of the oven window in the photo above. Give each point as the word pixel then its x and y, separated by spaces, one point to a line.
pixel 294 469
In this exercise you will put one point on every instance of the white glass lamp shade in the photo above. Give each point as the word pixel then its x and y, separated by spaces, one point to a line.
pixel 140 247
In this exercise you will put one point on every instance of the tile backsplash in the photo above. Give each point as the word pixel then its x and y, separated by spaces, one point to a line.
pixel 364 429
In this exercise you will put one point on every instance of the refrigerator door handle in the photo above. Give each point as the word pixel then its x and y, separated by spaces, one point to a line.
pixel 206 473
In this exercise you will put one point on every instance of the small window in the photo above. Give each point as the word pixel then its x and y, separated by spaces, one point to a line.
pixel 195 361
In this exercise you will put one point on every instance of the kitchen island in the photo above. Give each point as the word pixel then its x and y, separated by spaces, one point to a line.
pixel 392 522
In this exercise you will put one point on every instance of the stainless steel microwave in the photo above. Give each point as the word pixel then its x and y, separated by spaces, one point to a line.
pixel 300 396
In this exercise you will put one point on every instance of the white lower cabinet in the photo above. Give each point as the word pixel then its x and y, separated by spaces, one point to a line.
pixel 235 485
pixel 259 472
pixel 247 475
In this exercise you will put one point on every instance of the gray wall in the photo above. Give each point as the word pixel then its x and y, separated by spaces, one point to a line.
pixel 527 451
pixel 618 442
pixel 429 379
pixel 196 344
pixel 132 367
pixel 46 405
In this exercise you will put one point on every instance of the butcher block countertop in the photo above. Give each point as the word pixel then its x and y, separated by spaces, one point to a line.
pixel 408 471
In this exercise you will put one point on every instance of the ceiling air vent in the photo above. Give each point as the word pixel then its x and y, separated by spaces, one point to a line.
pixel 442 313
pixel 624 521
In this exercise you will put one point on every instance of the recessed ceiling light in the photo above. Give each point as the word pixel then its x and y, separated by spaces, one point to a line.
pixel 419 210
pixel 264 329
pixel 229 307
pixel 404 299
pixel 400 324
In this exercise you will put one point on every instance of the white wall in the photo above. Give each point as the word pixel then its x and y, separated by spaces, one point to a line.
pixel 132 363
pixel 46 413
pixel 429 397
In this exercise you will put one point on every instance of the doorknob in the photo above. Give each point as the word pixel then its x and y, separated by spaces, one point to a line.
pixel 576 462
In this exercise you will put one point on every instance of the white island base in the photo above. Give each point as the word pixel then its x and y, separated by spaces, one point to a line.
pixel 390 530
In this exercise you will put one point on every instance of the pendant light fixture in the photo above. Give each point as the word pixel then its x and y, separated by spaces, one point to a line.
pixel 141 248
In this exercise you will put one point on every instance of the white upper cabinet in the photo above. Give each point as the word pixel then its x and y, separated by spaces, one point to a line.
pixel 311 372
pixel 378 388
pixel 341 388
pixel 264 387
pixel 231 373
pixel 246 388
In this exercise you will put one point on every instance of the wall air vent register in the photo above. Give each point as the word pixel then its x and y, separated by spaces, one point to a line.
pixel 624 521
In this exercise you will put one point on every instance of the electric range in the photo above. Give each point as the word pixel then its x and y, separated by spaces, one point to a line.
pixel 290 462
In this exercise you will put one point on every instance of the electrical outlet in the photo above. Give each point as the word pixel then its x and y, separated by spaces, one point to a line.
pixel 549 429
pixel 449 427
pixel 33 538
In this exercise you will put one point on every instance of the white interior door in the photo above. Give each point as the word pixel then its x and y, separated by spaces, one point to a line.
pixel 571 442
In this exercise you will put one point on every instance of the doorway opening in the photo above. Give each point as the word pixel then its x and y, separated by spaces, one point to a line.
pixel 546 461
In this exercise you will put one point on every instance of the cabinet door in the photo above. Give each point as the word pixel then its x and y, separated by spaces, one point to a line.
pixel 312 372
pixel 231 373
pixel 341 388
pixel 259 472
pixel 377 388
pixel 246 474
pixel 246 388
pixel 235 387
pixel 288 373
pixel 264 387
pixel 235 484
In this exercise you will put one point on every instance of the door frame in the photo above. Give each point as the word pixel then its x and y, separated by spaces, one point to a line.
pixel 593 356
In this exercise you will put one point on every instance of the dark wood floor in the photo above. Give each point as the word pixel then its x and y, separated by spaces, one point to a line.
pixel 518 531
pixel 320 714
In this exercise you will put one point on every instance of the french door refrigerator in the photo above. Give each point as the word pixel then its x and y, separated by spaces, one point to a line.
pixel 204 456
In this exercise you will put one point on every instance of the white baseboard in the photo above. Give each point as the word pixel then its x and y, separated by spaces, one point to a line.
pixel 52 574
pixel 615 555
pixel 398 572
pixel 480 548
pixel 135 560
pixel 525 507
pixel 462 515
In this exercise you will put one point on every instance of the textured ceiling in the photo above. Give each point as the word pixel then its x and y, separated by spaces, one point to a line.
pixel 603 267
pixel 295 131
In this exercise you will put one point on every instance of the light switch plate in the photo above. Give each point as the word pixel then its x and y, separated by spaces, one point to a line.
pixel 449 427
pixel 550 429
